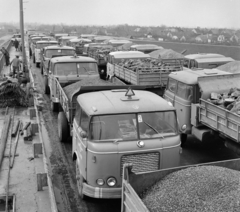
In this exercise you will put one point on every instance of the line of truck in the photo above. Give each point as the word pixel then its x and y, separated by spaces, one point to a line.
pixel 114 122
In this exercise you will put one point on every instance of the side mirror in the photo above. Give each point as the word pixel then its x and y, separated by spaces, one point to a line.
pixel 83 134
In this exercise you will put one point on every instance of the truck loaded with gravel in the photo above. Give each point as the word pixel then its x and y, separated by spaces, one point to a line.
pixel 112 124
pixel 207 104
pixel 206 187
pixel 64 71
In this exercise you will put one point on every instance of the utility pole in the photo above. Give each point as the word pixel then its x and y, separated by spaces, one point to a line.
pixel 22 35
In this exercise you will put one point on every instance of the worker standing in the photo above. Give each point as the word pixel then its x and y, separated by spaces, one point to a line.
pixel 6 56
pixel 16 65
pixel 16 44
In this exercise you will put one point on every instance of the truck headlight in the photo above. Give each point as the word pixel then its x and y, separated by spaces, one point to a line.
pixel 100 182
pixel 111 181
pixel 184 127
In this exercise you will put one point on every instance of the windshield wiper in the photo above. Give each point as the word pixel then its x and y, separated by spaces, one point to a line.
pixel 154 129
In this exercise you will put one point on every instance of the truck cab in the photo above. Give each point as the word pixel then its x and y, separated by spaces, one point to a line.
pixel 53 51
pixel 78 44
pixel 206 61
pixel 145 48
pixel 66 70
pixel 114 127
pixel 186 88
pixel 39 48
pixel 63 40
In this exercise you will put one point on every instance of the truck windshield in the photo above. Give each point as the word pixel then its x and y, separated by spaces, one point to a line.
pixel 51 52
pixel 64 69
pixel 42 45
pixel 172 85
pixel 133 126
pixel 185 91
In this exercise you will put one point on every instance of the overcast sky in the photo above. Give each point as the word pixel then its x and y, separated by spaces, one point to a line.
pixel 186 13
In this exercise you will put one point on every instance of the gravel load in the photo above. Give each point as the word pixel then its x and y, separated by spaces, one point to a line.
pixel 166 54
pixel 232 67
pixel 229 101
pixel 196 189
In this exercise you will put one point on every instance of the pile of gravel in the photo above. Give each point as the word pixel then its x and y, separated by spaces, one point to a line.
pixel 232 67
pixel 166 54
pixel 196 189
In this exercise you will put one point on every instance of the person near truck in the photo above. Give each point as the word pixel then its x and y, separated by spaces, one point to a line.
pixel 16 65
pixel 6 56
pixel 16 44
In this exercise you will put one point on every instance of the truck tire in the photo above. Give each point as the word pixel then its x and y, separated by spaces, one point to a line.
pixel 34 60
pixel 37 65
pixel 183 137
pixel 54 106
pixel 80 181
pixel 47 90
pixel 63 130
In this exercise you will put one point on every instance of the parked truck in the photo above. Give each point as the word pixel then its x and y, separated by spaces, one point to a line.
pixel 206 60
pixel 189 91
pixel 64 71
pixel 134 184
pixel 112 125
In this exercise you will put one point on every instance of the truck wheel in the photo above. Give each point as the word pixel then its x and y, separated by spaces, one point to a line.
pixel 42 69
pixel 63 131
pixel 80 181
pixel 183 139
pixel 37 65
pixel 34 61
pixel 54 106
pixel 47 90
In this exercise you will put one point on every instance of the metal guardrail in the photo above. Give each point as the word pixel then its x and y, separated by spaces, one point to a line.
pixel 7 45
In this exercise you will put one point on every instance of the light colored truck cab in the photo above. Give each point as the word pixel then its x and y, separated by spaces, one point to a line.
pixel 39 49
pixel 207 61
pixel 189 90
pixel 114 127
pixel 66 70
pixel 54 51
pixel 59 35
pixel 118 56
pixel 64 39
pixel 145 48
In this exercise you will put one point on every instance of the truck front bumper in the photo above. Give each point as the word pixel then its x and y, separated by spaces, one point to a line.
pixel 103 193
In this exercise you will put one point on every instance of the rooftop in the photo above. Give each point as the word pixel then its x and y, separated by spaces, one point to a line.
pixel 72 59
pixel 111 102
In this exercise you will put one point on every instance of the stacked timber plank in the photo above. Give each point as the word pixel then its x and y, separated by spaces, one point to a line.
pixel 229 101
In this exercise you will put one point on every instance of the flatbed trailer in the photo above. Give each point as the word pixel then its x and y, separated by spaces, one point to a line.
pixel 134 184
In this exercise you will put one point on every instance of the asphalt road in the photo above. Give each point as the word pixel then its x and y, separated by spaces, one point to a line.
pixel 63 169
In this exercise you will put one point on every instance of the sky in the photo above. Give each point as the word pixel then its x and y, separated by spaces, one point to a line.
pixel 182 13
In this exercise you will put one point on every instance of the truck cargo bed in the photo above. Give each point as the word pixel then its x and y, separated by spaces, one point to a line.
pixel 218 118
pixel 133 185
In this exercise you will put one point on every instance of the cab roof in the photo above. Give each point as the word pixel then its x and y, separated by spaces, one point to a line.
pixel 146 47
pixel 59 47
pixel 111 102
pixel 131 56
pixel 119 41
pixel 68 37
pixel 126 53
pixel 215 60
pixel 47 41
pixel 190 77
pixel 76 40
pixel 203 55
pixel 70 59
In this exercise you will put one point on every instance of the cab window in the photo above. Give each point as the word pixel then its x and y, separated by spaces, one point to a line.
pixel 185 91
pixel 84 121
pixel 172 85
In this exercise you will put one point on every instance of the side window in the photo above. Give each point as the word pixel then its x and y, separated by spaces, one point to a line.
pixel 84 121
pixel 192 64
pixel 78 114
pixel 172 85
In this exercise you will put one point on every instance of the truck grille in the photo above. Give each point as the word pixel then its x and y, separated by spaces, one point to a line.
pixel 142 162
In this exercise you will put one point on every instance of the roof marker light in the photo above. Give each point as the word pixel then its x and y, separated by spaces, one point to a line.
pixel 129 93
pixel 94 109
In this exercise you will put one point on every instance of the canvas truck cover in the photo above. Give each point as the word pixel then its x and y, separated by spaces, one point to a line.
pixel 218 83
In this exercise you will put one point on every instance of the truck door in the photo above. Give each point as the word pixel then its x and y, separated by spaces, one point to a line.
pixel 80 134
pixel 182 103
